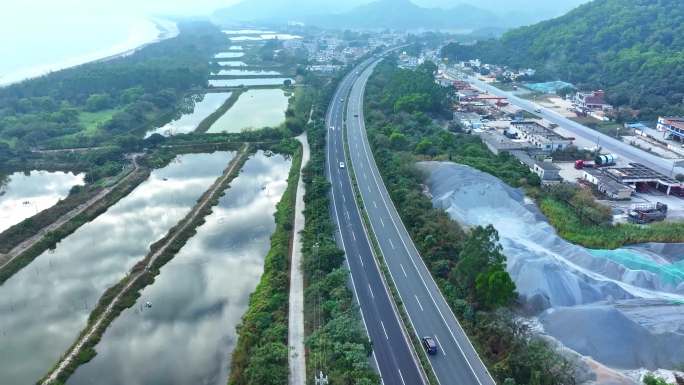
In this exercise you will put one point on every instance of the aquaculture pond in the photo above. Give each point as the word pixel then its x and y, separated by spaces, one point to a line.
pixel 243 72
pixel 254 109
pixel 46 305
pixel 233 64
pixel 248 82
pixel 229 55
pixel 23 195
pixel 189 122
pixel 182 329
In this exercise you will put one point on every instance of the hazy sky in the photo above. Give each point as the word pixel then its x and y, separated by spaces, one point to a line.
pixel 45 7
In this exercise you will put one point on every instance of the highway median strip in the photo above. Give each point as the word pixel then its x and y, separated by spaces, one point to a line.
pixel 388 281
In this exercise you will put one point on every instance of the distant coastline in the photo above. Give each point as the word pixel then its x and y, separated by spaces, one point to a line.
pixel 147 31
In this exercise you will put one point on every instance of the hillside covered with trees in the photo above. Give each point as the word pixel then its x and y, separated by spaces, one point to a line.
pixel 634 49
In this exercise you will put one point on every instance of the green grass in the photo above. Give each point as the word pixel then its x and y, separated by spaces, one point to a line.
pixel 607 128
pixel 9 141
pixel 504 86
pixel 569 226
pixel 92 121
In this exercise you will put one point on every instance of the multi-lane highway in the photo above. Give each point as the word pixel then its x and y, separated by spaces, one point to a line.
pixel 394 358
pixel 609 144
pixel 429 314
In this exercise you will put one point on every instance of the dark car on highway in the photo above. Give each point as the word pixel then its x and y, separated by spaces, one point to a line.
pixel 430 345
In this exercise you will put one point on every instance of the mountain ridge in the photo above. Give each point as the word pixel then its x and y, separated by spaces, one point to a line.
pixel 379 14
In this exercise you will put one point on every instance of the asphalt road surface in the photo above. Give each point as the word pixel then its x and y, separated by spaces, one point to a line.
pixel 457 362
pixel 392 353
pixel 609 144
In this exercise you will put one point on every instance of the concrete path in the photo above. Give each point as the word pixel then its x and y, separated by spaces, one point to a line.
pixel 297 356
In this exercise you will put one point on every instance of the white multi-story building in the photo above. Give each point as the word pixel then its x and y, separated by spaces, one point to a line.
pixel 673 127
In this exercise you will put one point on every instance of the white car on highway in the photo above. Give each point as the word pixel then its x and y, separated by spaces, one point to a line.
pixel 341 164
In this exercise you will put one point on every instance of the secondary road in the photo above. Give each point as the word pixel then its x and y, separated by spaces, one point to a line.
pixel 608 143
pixel 393 356
pixel 295 329
pixel 429 313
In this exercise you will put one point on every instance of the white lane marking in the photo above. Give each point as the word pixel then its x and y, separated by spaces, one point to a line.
pixel 369 190
pixel 419 304
pixel 441 347
pixel 382 222
pixel 391 244
pixel 401 377
pixel 354 235
pixel 352 277
pixel 365 176
pixel 375 204
pixel 402 269
pixel 346 212
pixel 366 147
pixel 344 198
pixel 384 330
pixel 370 289
pixel 361 260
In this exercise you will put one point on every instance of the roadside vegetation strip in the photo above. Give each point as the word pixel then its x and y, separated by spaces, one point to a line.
pixel 124 294
pixel 206 124
pixel 261 353
pixel 388 281
pixel 337 343
pixel 49 236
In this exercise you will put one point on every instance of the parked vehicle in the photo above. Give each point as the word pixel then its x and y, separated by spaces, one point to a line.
pixel 606 160
pixel 582 164
pixel 648 213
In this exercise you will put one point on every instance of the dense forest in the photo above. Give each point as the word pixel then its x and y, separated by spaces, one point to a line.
pixel 632 48
pixel 402 111
pixel 110 101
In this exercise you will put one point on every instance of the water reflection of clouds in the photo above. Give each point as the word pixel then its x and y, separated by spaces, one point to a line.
pixel 254 108
pixel 27 195
pixel 200 296
pixel 46 304
pixel 189 122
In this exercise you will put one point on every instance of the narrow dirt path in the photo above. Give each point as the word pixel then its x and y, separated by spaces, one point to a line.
pixel 297 356
pixel 92 328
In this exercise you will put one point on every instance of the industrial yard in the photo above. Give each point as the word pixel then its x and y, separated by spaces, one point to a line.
pixel 635 192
